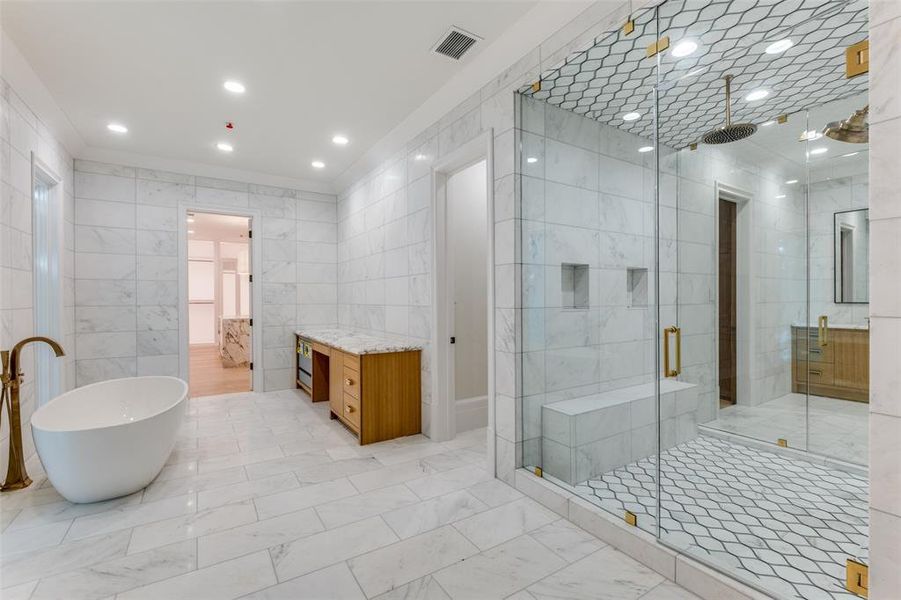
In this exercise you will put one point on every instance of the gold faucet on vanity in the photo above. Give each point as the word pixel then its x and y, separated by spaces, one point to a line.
pixel 16 476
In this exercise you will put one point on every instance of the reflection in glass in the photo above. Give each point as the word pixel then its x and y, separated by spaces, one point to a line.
pixel 852 239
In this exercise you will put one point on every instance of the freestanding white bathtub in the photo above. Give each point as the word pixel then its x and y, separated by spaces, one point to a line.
pixel 111 438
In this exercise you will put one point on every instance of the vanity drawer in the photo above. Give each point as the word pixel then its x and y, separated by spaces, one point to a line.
pixel 352 361
pixel 351 412
pixel 816 353
pixel 351 382
pixel 819 374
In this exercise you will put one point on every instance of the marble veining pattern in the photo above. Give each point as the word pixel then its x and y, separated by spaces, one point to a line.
pixel 265 497
pixel 234 344
pixel 357 342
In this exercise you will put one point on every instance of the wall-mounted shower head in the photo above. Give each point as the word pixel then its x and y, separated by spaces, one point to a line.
pixel 729 132
pixel 854 129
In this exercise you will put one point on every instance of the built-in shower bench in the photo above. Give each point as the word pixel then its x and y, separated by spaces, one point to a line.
pixel 591 435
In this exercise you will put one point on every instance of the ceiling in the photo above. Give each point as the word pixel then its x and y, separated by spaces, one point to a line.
pixel 614 76
pixel 218 228
pixel 311 70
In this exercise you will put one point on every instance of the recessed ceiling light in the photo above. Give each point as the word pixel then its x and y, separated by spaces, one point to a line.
pixel 684 48
pixel 224 147
pixel 791 182
pixel 768 123
pixel 117 128
pixel 531 160
pixel 190 231
pixel 646 149
pixel 779 47
pixel 632 116
pixel 780 196
pixel 850 154
pixel 820 150
pixel 757 95
pixel 340 140
pixel 235 87
pixel 318 164
pixel 190 219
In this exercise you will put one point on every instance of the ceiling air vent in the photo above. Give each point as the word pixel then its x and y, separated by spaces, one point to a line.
pixel 455 43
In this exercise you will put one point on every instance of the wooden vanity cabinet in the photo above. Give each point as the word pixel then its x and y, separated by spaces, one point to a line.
pixel 377 396
pixel 838 369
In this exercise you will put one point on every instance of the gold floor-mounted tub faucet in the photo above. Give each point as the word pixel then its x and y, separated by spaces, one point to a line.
pixel 16 476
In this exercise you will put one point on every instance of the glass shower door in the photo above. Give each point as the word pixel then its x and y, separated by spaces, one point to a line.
pixel 588 226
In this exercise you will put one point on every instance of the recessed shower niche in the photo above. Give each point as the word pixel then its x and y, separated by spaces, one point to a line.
pixel 637 287
pixel 574 285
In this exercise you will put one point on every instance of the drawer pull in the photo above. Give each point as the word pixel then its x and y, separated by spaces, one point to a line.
pixel 812 351
pixel 348 409
pixel 815 372
pixel 348 381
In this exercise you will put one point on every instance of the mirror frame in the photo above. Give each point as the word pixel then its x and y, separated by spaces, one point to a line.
pixel 837 258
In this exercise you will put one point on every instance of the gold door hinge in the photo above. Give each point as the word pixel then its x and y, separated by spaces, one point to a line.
pixel 539 472
pixel 782 119
pixel 630 518
pixel 857 577
pixel 658 46
pixel 782 442
pixel 629 27
pixel 693 146
pixel 857 59
pixel 536 87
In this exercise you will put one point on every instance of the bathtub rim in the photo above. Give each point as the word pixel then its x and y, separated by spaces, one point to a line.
pixel 181 398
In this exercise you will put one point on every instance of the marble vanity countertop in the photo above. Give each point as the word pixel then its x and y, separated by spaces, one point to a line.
pixel 834 326
pixel 357 342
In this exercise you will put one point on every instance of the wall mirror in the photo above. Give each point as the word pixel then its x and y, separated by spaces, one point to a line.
pixel 852 238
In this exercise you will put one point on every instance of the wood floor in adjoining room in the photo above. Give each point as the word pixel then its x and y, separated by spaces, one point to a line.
pixel 209 378
pixel 266 497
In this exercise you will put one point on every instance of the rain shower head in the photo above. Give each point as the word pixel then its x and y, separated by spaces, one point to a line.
pixel 729 132
pixel 854 129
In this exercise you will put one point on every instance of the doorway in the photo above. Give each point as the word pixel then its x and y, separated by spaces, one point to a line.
pixel 464 218
pixel 467 293
pixel 219 303
pixel 728 309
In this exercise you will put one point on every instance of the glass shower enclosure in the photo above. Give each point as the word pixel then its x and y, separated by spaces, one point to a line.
pixel 693 249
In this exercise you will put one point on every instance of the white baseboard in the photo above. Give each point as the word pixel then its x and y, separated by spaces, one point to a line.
pixel 472 413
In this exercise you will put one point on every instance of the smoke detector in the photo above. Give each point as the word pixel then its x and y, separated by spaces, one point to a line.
pixel 455 43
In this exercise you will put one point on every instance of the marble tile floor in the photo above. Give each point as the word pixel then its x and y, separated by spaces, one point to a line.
pixel 265 497
pixel 784 524
pixel 828 426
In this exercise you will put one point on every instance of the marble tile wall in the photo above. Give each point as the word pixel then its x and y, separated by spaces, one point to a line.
pixel 365 300
pixel 885 299
pixel 385 224
pixel 22 133
pixel 126 267
pixel 588 198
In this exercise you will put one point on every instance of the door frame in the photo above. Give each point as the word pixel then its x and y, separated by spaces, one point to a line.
pixel 444 413
pixel 256 291
pixel 744 296
pixel 48 370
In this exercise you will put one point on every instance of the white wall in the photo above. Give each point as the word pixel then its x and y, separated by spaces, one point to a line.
pixel 22 133
pixel 467 241
pixel 126 287
pixel 885 300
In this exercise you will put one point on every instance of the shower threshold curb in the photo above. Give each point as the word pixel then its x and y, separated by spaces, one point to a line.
pixel 690 573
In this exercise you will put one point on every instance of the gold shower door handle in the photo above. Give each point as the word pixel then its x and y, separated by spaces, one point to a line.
pixel 823 324
pixel 667 372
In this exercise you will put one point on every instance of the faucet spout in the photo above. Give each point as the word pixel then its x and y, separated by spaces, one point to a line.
pixel 16 475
